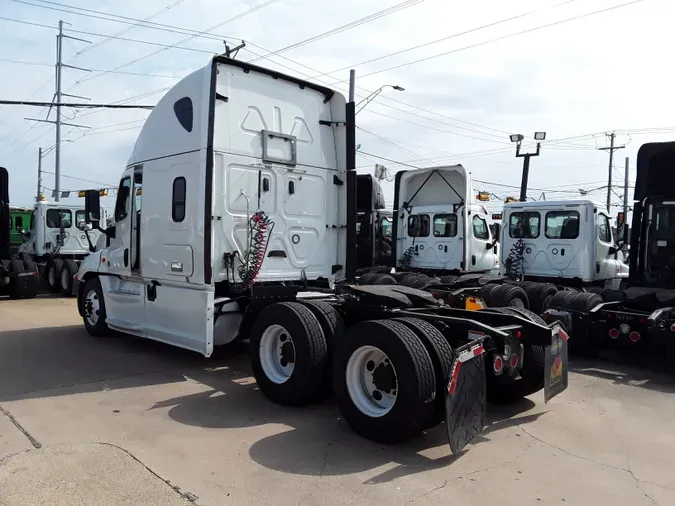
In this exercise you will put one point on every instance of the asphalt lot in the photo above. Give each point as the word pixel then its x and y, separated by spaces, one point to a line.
pixel 122 420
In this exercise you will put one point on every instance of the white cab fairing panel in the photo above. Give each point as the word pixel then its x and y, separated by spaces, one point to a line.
pixel 302 200
pixel 434 191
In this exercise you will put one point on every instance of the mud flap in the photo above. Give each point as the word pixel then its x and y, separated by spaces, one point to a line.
pixel 556 364
pixel 465 405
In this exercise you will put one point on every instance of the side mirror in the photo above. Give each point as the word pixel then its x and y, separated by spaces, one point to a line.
pixel 489 246
pixel 84 226
pixel 613 250
pixel 92 206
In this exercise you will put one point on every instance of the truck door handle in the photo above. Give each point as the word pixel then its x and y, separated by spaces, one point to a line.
pixel 417 248
pixel 446 248
pixel 126 257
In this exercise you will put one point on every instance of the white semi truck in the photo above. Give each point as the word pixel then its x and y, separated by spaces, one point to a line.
pixel 552 245
pixel 56 242
pixel 237 204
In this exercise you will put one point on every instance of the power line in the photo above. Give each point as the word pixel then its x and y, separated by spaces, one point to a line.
pixel 161 50
pixel 497 39
pixel 75 105
pixel 443 39
pixel 342 28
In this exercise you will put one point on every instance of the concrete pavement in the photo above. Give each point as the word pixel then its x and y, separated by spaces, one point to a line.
pixel 175 419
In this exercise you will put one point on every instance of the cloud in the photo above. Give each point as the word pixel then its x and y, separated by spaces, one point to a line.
pixel 589 75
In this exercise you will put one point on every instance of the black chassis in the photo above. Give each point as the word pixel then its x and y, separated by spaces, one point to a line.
pixel 471 335
pixel 655 325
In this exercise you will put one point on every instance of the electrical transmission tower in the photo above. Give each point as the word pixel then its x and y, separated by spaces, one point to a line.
pixel 57 104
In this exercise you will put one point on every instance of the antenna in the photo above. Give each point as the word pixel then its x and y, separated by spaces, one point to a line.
pixel 380 172
pixel 232 52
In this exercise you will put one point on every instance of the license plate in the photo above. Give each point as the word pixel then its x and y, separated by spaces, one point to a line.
pixel 555 365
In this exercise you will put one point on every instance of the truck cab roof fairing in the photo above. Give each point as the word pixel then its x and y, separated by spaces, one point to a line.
pixel 434 185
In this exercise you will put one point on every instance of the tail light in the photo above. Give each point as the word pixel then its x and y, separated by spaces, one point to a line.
pixel 634 336
pixel 613 333
pixel 498 364
pixel 513 361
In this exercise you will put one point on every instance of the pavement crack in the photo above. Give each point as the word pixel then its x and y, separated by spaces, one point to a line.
pixel 326 451
pixel 628 470
pixel 15 422
pixel 186 495
pixel 477 471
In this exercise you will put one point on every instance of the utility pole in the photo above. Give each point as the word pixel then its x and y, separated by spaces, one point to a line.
pixel 58 95
pixel 611 150
pixel 39 182
pixel 57 153
pixel 625 194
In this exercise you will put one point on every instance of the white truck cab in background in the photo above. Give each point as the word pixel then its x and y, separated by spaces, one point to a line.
pixel 57 241
pixel 438 227
pixel 563 242
pixel 235 165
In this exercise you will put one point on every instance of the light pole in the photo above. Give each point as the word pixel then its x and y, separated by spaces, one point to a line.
pixel 374 94
pixel 518 139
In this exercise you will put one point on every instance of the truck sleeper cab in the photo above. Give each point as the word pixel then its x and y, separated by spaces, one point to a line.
pixel 234 220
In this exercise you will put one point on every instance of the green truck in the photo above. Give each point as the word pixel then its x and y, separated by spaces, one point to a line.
pixel 19 218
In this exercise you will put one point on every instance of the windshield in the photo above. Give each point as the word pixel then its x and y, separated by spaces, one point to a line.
pixel 664 222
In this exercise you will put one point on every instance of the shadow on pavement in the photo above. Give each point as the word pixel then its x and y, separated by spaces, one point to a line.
pixel 314 440
pixel 625 370
pixel 317 440
pixel 36 362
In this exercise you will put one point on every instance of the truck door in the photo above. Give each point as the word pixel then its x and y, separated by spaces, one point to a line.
pixel 482 259
pixel 124 290
pixel 606 266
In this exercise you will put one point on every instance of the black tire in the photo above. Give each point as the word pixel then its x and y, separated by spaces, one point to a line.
pixel 449 279
pixel 384 279
pixel 432 281
pixel 54 267
pixel 334 329
pixel 310 353
pixel 595 289
pixel 440 352
pixel 509 295
pixel 485 293
pixel 18 288
pixel 585 301
pixel 610 295
pixel 368 278
pixel 562 299
pixel 539 295
pixel 95 327
pixel 417 281
pixel 67 272
pixel 415 375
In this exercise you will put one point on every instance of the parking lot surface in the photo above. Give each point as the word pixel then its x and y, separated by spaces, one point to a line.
pixel 121 420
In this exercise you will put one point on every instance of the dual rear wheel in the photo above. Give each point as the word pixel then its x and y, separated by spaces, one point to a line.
pixel 388 376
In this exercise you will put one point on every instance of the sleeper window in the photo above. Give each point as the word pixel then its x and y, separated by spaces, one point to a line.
pixel 562 225
pixel 57 218
pixel 445 225
pixel 524 225
pixel 418 225
pixel 178 201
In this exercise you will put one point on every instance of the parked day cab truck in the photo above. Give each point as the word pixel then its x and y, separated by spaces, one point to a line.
pixel 57 241
pixel 246 228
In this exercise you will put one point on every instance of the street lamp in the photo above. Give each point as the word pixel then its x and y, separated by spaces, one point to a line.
pixel 518 139
pixel 374 94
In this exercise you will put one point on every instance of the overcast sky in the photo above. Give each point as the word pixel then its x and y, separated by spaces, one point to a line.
pixel 574 80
